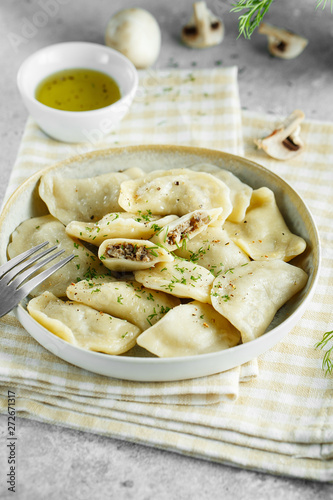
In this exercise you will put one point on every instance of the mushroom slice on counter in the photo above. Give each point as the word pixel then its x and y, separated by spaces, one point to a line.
pixel 284 142
pixel 283 43
pixel 204 28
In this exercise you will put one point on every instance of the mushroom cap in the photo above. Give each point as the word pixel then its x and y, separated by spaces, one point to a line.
pixel 136 34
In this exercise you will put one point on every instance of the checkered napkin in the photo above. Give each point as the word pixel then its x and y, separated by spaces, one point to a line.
pixel 279 422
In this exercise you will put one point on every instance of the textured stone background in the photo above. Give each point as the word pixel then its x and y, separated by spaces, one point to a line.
pixel 55 462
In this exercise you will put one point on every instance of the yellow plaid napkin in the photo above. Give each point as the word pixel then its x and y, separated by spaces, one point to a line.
pixel 280 422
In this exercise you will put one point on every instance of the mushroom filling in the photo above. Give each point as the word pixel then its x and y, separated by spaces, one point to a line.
pixel 129 252
pixel 182 230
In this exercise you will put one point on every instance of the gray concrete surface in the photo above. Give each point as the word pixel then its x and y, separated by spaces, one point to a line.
pixel 56 462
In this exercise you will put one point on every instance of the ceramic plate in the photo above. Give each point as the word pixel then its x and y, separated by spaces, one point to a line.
pixel 25 203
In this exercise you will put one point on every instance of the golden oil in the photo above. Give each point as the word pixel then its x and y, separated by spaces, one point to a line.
pixel 78 89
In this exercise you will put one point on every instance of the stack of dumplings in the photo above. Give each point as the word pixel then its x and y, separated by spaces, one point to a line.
pixel 179 262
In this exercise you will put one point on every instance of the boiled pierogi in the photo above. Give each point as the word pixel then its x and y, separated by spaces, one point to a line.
pixel 250 295
pixel 240 193
pixel 119 225
pixel 214 250
pixel 124 299
pixel 85 200
pixel 180 278
pixel 186 261
pixel 188 330
pixel 177 233
pixel 263 234
pixel 83 326
pixel 177 191
pixel 123 254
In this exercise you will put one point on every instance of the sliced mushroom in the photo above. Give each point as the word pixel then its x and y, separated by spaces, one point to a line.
pixel 283 43
pixel 284 142
pixel 204 28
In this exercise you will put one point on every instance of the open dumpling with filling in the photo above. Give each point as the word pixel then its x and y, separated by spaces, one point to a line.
pixel 263 234
pixel 240 193
pixel 177 233
pixel 123 254
pixel 125 299
pixel 188 330
pixel 85 200
pixel 46 228
pixel 214 250
pixel 180 278
pixel 250 295
pixel 119 225
pixel 83 326
pixel 176 191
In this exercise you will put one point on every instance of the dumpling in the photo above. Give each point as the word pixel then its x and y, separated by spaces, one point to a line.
pixel 46 228
pixel 249 296
pixel 177 233
pixel 84 200
pixel 188 330
pixel 177 191
pixel 263 234
pixel 124 299
pixel 179 278
pixel 214 250
pixel 123 254
pixel 119 225
pixel 83 326
pixel 240 193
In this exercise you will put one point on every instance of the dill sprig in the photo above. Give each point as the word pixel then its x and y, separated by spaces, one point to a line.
pixel 327 363
pixel 322 4
pixel 249 20
pixel 253 12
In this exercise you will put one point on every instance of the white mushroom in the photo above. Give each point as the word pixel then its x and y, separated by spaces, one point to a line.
pixel 204 28
pixel 283 43
pixel 284 142
pixel 136 34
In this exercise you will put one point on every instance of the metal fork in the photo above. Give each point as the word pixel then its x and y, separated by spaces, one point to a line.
pixel 16 271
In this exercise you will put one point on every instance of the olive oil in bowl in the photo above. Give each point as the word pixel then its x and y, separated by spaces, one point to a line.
pixel 78 89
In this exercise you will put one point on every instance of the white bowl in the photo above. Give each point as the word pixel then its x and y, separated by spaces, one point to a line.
pixel 77 126
pixel 26 203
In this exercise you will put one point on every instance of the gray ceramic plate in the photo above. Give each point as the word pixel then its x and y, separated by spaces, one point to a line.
pixel 25 203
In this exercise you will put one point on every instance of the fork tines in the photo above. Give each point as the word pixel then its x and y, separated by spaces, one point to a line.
pixel 14 274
